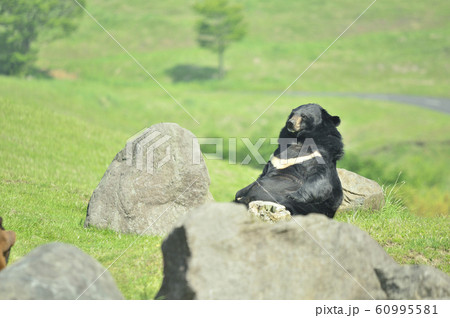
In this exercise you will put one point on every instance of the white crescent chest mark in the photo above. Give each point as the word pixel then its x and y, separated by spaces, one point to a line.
pixel 284 163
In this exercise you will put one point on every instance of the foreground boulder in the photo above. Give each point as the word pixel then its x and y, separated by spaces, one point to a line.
pixel 359 192
pixel 57 271
pixel 154 180
pixel 220 252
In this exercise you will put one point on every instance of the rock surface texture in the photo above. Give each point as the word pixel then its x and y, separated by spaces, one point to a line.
pixel 359 192
pixel 220 252
pixel 155 179
pixel 57 271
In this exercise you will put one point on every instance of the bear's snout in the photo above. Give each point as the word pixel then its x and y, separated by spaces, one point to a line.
pixel 293 124
pixel 290 125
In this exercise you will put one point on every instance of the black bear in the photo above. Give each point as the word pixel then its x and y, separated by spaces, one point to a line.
pixel 301 174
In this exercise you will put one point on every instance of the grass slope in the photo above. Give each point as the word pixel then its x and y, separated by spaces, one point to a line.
pixel 395 47
pixel 58 136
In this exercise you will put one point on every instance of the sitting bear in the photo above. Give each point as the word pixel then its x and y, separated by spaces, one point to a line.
pixel 301 174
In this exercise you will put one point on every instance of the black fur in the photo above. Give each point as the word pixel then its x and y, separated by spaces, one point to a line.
pixel 312 186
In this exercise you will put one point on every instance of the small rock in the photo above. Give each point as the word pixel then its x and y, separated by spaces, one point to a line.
pixel 359 192
pixel 269 211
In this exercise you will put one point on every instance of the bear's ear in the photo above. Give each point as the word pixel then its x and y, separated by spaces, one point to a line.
pixel 336 120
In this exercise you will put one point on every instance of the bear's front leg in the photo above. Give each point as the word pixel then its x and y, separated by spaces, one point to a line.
pixel 241 194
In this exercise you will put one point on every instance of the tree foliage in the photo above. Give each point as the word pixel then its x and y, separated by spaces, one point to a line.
pixel 22 22
pixel 221 24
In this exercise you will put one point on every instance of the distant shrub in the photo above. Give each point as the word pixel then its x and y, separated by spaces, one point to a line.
pixel 22 22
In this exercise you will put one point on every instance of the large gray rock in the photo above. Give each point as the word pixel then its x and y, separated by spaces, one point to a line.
pixel 359 192
pixel 57 271
pixel 155 179
pixel 220 252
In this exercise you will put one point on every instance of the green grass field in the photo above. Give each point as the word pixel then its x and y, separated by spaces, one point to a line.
pixel 59 134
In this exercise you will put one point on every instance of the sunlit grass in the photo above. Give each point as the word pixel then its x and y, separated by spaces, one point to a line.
pixel 408 238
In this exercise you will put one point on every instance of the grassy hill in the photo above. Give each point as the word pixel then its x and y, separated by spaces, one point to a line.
pixel 60 130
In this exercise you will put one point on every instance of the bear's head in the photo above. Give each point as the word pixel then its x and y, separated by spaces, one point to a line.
pixel 309 118
pixel 312 121
pixel 7 240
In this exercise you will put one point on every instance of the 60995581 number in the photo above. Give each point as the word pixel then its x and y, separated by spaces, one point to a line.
pixel 406 309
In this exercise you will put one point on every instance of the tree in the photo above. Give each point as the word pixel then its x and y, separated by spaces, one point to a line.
pixel 221 24
pixel 22 22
